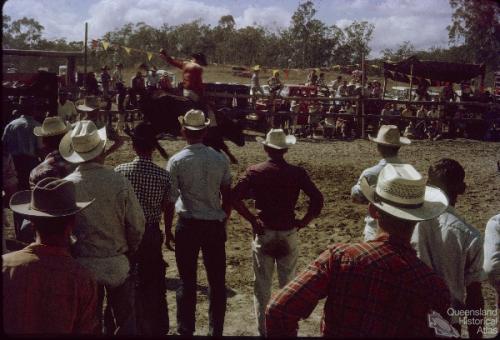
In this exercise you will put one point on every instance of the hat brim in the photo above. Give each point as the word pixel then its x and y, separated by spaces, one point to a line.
pixel 86 108
pixel 435 203
pixel 194 128
pixel 20 203
pixel 68 153
pixel 39 132
pixel 289 141
pixel 402 141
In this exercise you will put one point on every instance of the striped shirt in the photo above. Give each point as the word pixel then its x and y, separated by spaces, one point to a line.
pixel 151 185
pixel 378 288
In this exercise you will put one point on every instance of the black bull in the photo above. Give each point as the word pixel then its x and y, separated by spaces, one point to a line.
pixel 163 112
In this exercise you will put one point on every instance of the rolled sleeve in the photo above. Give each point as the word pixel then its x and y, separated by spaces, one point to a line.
pixel 134 218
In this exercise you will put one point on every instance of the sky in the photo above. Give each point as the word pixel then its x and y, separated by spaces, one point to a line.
pixel 422 22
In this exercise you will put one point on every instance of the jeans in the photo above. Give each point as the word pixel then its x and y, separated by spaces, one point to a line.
pixel 151 303
pixel 119 317
pixel 263 266
pixel 210 236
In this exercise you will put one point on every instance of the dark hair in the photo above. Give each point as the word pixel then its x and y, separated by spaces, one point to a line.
pixel 390 222
pixel 51 226
pixel 194 134
pixel 387 150
pixel 52 142
pixel 447 171
pixel 274 152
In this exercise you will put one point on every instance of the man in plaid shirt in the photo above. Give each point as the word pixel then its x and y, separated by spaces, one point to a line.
pixel 152 187
pixel 378 288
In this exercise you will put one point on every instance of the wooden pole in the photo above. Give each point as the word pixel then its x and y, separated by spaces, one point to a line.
pixel 411 81
pixel 362 101
pixel 385 85
pixel 85 54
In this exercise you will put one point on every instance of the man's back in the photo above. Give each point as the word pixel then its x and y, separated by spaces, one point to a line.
pixel 453 248
pixel 46 291
pixel 378 288
pixel 18 137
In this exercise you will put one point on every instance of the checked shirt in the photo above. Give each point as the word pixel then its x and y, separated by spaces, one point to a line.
pixel 379 288
pixel 151 185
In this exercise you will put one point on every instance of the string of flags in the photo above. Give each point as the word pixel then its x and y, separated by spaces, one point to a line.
pixel 106 45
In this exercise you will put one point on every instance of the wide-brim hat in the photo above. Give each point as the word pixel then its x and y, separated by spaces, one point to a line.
pixel 401 192
pixel 200 58
pixel 194 120
pixel 256 68
pixel 143 133
pixel 83 143
pixel 51 126
pixel 389 135
pixel 51 197
pixel 277 139
pixel 90 103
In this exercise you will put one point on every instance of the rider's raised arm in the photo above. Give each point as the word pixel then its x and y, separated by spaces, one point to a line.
pixel 170 60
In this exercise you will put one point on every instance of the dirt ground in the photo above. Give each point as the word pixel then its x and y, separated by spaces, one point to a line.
pixel 334 166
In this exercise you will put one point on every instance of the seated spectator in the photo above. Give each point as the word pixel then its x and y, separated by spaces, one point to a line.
pixel 410 131
pixel 45 291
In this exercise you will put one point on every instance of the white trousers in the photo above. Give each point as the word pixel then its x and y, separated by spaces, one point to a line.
pixel 263 266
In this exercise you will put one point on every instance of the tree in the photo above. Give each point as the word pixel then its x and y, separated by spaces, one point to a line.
pixel 22 33
pixel 405 50
pixel 357 36
pixel 477 22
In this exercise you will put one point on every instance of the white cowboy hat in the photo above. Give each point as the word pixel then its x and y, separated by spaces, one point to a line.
pixel 277 139
pixel 83 143
pixel 389 135
pixel 194 120
pixel 401 192
pixel 51 126
pixel 90 103
pixel 256 68
pixel 51 197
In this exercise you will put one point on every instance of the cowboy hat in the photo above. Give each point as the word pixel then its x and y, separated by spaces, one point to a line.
pixel 401 192
pixel 389 135
pixel 275 72
pixel 194 120
pixel 90 103
pixel 51 126
pixel 51 197
pixel 142 133
pixel 256 68
pixel 84 143
pixel 200 58
pixel 277 139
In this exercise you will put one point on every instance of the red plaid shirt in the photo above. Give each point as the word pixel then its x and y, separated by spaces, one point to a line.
pixel 378 288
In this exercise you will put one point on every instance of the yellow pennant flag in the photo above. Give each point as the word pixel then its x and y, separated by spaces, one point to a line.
pixel 150 55
pixel 127 49
pixel 105 44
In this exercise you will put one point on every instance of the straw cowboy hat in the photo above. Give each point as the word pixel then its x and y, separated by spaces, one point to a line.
pixel 51 197
pixel 84 143
pixel 90 103
pixel 401 192
pixel 277 139
pixel 51 126
pixel 389 135
pixel 194 120
pixel 276 72
pixel 256 68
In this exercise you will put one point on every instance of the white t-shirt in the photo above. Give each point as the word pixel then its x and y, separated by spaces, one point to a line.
pixel 67 112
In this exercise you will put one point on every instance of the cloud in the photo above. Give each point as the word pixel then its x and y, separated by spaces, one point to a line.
pixel 272 17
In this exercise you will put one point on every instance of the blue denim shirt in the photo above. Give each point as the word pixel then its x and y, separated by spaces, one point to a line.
pixel 197 173
pixel 18 137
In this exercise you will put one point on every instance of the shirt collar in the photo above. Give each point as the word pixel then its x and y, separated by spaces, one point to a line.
pixel 142 159
pixel 393 240
pixel 394 159
pixel 195 146
pixel 89 166
pixel 44 249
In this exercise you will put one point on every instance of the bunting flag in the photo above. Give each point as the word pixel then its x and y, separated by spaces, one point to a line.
pixel 127 49
pixel 105 44
pixel 150 55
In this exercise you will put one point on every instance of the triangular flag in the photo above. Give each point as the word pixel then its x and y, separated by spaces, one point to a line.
pixel 105 44
pixel 150 55
pixel 127 49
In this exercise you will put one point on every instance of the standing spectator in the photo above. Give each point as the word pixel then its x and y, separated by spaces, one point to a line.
pixel 109 232
pixel 117 76
pixel 152 79
pixel 255 87
pixel 275 84
pixel 165 83
pixel 378 288
pixel 105 81
pixel 137 87
pixel 200 175
pixel 451 246
pixel 91 86
pixel 492 254
pixel 66 109
pixel 275 186
pixel 152 186
pixel 45 291
pixel 312 78
pixel 19 141
pixel 9 187
pixel 388 143
pixel 385 114
pixel 91 110
pixel 421 91
pixel 448 95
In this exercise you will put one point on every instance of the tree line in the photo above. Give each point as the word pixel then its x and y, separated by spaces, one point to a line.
pixel 307 42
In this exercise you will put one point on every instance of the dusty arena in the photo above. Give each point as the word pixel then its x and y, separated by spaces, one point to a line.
pixel 334 166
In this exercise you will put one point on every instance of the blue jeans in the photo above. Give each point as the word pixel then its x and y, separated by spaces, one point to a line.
pixel 210 236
